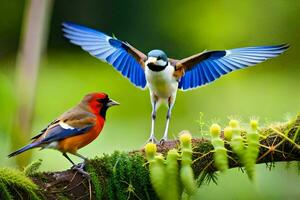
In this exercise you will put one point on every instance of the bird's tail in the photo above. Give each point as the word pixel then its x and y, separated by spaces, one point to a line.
pixel 27 147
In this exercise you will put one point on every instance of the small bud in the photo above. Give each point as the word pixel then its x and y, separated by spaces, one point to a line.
pixel 215 130
pixel 228 133
pixel 234 123
pixel 254 124
pixel 185 139
pixel 150 150
pixel 173 153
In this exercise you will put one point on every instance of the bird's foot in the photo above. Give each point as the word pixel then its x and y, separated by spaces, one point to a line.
pixel 152 139
pixel 163 140
pixel 80 168
pixel 79 165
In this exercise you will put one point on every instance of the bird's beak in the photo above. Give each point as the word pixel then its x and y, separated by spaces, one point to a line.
pixel 112 103
pixel 152 60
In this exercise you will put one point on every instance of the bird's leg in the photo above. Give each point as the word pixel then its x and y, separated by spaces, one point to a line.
pixel 153 117
pixel 80 167
pixel 170 106
pixel 69 159
pixel 81 156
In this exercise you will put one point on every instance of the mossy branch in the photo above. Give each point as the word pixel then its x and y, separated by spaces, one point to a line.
pixel 125 175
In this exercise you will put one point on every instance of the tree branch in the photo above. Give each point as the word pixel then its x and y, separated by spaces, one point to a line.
pixel 125 175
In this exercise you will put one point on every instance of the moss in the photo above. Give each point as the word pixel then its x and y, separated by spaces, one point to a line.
pixel 141 182
pixel 203 147
pixel 16 184
pixel 95 181
pixel 101 167
pixel 120 178
pixel 32 168
pixel 123 175
pixel 4 192
pixel 40 177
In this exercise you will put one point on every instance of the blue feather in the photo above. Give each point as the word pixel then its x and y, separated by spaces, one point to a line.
pixel 123 63
pixel 27 147
pixel 107 49
pixel 213 70
pixel 222 62
pixel 57 133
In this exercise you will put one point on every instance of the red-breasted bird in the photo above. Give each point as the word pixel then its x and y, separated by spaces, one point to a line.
pixel 162 75
pixel 75 128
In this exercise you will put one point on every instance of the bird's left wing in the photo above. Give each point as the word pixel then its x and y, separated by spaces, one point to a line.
pixel 121 55
pixel 206 67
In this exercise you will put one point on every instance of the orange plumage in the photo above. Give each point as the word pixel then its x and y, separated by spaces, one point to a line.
pixel 75 128
pixel 72 144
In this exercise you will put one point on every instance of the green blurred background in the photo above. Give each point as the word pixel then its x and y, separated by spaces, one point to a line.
pixel 181 28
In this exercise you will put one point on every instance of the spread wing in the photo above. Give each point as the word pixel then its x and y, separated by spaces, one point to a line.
pixel 121 55
pixel 208 66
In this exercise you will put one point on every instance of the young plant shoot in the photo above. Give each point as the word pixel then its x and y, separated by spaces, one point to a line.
pixel 186 171
pixel 220 153
pixel 236 142
pixel 252 150
pixel 157 170
pixel 173 183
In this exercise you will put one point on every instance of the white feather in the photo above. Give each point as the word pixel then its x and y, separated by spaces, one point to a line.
pixel 65 125
pixel 162 83
pixel 161 62
pixel 52 145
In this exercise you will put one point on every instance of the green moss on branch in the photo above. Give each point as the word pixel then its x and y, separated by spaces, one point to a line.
pixel 15 185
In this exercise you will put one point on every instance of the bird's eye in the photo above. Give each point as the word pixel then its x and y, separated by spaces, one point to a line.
pixel 101 100
pixel 158 58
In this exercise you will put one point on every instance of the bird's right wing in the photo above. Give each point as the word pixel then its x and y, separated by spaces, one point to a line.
pixel 121 55
pixel 203 68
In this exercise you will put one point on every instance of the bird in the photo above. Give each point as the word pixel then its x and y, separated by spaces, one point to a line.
pixel 162 75
pixel 74 129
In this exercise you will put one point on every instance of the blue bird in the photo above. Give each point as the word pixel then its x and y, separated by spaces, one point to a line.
pixel 162 75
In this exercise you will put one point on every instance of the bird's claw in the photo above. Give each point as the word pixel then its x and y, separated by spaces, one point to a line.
pixel 80 168
pixel 152 140
pixel 81 171
pixel 163 140
pixel 79 165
